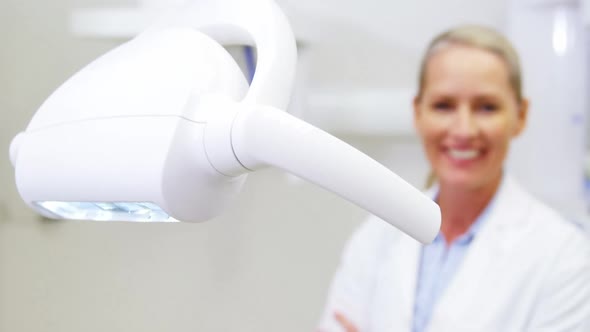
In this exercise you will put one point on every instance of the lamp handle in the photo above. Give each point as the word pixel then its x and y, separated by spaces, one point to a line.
pixel 263 136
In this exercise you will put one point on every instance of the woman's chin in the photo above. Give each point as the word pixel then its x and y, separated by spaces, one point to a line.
pixel 462 180
pixel 468 181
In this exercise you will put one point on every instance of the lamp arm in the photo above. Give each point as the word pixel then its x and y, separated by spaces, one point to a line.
pixel 259 23
pixel 264 136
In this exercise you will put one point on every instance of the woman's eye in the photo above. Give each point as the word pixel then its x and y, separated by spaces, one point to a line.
pixel 442 106
pixel 488 107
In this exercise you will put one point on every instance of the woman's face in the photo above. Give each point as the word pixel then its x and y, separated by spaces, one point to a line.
pixel 466 116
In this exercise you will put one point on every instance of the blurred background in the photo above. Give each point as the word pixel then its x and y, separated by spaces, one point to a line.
pixel 266 264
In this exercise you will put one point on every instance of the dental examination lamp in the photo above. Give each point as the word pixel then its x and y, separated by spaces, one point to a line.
pixel 166 128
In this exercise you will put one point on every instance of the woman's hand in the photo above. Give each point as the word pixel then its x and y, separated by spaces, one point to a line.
pixel 345 323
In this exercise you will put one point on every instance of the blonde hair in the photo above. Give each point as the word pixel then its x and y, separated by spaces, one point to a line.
pixel 479 37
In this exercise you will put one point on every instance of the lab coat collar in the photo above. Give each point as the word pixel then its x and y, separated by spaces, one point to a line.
pixel 500 231
pixel 505 227
pixel 505 215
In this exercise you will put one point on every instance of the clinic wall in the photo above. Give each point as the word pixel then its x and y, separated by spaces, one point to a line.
pixel 263 266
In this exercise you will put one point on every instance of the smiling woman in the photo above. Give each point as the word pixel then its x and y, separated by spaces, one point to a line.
pixel 469 106
pixel 467 112
pixel 503 261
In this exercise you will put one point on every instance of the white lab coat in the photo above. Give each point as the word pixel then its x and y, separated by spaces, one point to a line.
pixel 526 270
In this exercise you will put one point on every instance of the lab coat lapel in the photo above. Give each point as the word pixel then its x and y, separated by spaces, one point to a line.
pixel 504 228
pixel 400 279
pixel 399 282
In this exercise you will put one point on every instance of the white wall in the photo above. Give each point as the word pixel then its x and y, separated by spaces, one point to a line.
pixel 264 266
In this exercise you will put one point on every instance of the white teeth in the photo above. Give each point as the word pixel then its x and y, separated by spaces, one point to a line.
pixel 463 154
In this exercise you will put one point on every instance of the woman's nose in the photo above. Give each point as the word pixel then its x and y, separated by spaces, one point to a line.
pixel 465 124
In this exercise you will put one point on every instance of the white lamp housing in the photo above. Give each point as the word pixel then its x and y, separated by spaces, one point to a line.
pixel 165 128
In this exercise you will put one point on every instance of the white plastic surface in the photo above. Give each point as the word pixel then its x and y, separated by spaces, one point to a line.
pixel 162 161
pixel 157 120
pixel 267 136
pixel 157 73
pixel 255 22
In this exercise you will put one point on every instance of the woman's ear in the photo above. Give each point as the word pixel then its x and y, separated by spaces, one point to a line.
pixel 521 117
pixel 416 106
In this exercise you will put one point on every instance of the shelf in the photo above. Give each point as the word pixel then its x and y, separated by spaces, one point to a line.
pixel 119 23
